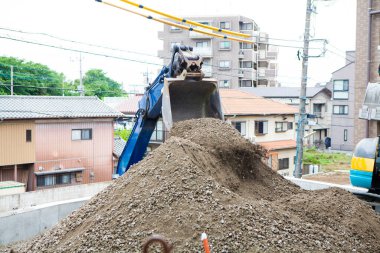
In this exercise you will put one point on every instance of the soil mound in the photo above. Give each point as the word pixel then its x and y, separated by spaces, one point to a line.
pixel 206 177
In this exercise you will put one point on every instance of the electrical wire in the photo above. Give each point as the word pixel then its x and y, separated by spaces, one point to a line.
pixel 80 51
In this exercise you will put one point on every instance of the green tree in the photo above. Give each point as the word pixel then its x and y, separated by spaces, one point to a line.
pixel 29 78
pixel 96 83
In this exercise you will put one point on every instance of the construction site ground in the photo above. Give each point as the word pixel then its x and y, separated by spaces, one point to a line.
pixel 334 177
pixel 207 178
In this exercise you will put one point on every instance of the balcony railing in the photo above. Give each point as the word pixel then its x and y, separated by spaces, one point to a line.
pixel 203 51
pixel 196 35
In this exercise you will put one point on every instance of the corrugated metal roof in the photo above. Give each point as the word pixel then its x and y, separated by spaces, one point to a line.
pixel 282 92
pixel 237 102
pixel 41 107
pixel 118 146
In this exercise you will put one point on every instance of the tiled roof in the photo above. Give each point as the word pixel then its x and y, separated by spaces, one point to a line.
pixel 276 145
pixel 237 102
pixel 42 107
pixel 118 146
pixel 283 92
pixel 129 105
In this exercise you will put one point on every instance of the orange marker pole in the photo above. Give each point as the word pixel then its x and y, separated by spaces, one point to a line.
pixel 205 242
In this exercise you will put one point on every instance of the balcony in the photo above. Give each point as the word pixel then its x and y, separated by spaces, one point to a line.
pixel 267 74
pixel 203 51
pixel 196 35
pixel 272 55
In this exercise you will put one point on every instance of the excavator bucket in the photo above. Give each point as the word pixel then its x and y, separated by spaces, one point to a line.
pixel 190 99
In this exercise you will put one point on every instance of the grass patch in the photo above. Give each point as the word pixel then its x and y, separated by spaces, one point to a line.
pixel 329 161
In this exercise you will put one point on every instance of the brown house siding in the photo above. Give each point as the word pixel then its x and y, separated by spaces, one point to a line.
pixel 14 149
pixel 55 149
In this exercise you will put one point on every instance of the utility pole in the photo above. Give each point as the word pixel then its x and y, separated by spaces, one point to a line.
pixel 11 80
pixel 81 88
pixel 302 112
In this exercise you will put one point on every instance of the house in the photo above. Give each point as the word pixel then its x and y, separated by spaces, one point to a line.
pixel 55 141
pixel 129 106
pixel 265 122
pixel 318 103
pixel 343 103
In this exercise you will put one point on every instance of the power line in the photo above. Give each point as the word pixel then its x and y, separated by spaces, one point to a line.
pixel 79 51
pixel 77 42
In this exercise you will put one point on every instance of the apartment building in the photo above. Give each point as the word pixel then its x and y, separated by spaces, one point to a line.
pixel 343 100
pixel 234 64
pixel 366 67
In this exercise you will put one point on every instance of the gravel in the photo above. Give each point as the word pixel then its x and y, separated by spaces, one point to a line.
pixel 206 177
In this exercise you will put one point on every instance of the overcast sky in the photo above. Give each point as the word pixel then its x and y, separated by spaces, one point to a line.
pixel 94 23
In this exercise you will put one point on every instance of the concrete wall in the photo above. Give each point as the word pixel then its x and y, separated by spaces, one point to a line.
pixel 28 199
pixel 16 226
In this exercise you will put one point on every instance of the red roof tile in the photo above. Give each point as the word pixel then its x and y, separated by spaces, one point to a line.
pixel 275 145
pixel 236 102
pixel 129 105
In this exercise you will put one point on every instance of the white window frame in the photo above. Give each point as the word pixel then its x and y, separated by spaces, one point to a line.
pixel 223 43
pixel 225 64
pixel 224 83
pixel 339 111
pixel 227 25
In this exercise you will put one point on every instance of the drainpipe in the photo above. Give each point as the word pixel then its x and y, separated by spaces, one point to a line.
pixel 369 56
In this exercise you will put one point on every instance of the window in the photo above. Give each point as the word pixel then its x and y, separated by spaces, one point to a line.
pixel 57 179
pixel 340 89
pixel 224 64
pixel 345 134
pixel 240 126
pixel 245 83
pixel 283 163
pixel 225 25
pixel 281 126
pixel 246 26
pixel 158 134
pixel 244 45
pixel 28 135
pixel 317 110
pixel 246 64
pixel 204 43
pixel 81 134
pixel 224 83
pixel 290 125
pixel 340 109
pixel 261 127
pixel 225 45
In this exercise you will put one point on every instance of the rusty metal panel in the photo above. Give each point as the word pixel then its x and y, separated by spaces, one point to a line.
pixel 14 148
pixel 55 149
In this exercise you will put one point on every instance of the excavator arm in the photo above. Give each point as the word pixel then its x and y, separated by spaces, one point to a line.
pixel 178 93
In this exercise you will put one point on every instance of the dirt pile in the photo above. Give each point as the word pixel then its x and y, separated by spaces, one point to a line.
pixel 206 177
